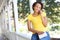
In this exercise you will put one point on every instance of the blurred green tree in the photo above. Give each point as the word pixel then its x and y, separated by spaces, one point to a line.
pixel 23 8
pixel 53 10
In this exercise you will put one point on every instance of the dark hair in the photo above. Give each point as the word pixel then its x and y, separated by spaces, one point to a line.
pixel 34 4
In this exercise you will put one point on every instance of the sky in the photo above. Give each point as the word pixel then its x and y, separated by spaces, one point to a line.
pixel 57 0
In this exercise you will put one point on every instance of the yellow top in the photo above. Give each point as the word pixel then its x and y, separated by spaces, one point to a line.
pixel 37 22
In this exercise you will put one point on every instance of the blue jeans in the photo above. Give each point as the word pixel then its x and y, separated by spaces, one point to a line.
pixel 36 37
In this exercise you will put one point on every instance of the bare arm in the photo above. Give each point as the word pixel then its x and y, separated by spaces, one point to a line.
pixel 44 21
pixel 31 29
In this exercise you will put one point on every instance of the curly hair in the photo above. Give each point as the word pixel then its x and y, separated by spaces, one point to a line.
pixel 34 4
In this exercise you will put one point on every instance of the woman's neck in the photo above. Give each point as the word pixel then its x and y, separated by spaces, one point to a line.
pixel 35 14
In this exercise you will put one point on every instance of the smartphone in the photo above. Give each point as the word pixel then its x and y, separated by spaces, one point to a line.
pixel 39 12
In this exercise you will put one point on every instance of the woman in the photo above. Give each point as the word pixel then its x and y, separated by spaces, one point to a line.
pixel 39 22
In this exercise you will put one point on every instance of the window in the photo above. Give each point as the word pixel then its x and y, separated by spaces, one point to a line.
pixel 10 16
pixel 23 11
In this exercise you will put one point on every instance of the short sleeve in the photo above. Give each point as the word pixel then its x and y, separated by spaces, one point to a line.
pixel 29 17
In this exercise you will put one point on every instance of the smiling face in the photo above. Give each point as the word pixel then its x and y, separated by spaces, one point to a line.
pixel 37 7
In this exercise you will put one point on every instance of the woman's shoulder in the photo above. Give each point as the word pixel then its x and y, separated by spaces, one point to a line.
pixel 29 15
